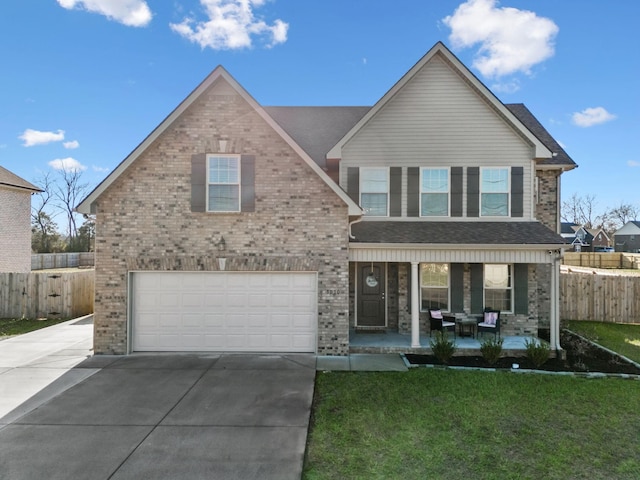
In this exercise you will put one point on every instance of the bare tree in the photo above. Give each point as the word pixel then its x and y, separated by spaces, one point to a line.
pixel 42 223
pixel 69 191
pixel 581 210
pixel 624 213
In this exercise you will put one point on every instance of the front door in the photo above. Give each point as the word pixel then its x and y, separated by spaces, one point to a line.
pixel 372 283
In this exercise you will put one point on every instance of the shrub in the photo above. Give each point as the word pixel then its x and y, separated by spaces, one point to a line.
pixel 442 347
pixel 491 350
pixel 537 352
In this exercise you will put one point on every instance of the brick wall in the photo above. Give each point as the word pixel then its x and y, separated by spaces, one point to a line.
pixel 547 208
pixel 15 230
pixel 144 221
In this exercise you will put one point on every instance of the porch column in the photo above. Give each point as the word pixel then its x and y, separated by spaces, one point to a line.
pixel 415 306
pixel 555 303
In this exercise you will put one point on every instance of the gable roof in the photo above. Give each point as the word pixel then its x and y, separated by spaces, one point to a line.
pixel 632 227
pixel 540 149
pixel 10 179
pixel 219 73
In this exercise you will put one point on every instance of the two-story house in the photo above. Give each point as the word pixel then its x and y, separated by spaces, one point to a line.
pixel 238 227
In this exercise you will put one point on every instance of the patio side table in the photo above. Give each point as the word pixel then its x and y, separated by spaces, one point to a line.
pixel 466 327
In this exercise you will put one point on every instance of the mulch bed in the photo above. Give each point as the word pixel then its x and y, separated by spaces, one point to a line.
pixel 581 357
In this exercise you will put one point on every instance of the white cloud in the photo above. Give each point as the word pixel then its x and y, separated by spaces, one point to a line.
pixel 68 164
pixel 231 24
pixel 132 13
pixel 506 87
pixel 71 145
pixel 592 116
pixel 36 137
pixel 633 163
pixel 511 40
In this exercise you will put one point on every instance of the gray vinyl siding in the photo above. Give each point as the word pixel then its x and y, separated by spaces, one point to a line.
pixel 437 119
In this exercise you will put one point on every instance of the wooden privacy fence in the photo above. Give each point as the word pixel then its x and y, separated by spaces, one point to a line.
pixel 42 261
pixel 46 294
pixel 602 298
pixel 602 260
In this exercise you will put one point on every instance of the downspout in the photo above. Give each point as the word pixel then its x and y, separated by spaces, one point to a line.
pixel 555 303
pixel 357 220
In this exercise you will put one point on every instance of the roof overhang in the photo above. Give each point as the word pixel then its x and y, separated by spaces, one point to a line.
pixel 448 253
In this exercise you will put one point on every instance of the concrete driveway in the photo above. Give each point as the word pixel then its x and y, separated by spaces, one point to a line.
pixel 165 416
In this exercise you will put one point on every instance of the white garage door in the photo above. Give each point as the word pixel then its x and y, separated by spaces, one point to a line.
pixel 224 311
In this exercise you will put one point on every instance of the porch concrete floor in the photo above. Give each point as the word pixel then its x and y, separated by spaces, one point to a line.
pixel 394 342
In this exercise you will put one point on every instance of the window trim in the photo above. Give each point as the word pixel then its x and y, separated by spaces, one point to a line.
pixel 208 183
pixel 508 191
pixel 362 191
pixel 447 193
pixel 420 286
pixel 510 288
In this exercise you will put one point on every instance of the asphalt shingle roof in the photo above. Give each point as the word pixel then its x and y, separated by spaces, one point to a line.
pixel 318 129
pixel 455 233
pixel 12 180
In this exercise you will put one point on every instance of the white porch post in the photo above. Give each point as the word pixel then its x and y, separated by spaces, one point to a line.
pixel 555 303
pixel 415 306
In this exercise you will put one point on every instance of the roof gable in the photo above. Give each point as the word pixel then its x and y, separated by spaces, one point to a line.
pixel 218 74
pixel 440 51
pixel 630 228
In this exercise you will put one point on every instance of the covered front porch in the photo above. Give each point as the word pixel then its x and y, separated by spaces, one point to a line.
pixel 390 341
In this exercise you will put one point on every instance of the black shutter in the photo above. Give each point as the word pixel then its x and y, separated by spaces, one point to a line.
pixel 248 183
pixel 517 191
pixel 413 192
pixel 395 191
pixel 521 287
pixel 477 288
pixel 456 191
pixel 456 271
pixel 353 184
pixel 473 191
pixel 198 182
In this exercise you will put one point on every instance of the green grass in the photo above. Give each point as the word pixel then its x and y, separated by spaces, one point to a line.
pixel 17 326
pixel 447 424
pixel 621 338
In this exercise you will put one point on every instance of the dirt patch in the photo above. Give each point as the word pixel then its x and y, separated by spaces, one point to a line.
pixel 582 356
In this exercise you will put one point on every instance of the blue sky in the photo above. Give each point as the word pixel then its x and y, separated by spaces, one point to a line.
pixel 85 81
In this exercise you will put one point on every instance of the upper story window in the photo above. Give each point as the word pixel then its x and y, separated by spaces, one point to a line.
pixel 374 191
pixel 434 192
pixel 223 183
pixel 494 192
pixel 498 291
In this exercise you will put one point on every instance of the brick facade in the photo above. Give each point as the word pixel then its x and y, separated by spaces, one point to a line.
pixel 15 230
pixel 144 220
pixel 547 208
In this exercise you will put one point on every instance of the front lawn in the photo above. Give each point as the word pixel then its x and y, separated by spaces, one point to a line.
pixel 621 338
pixel 444 424
pixel 18 326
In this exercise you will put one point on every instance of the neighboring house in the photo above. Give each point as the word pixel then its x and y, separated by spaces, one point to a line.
pixel 15 222
pixel 627 238
pixel 584 239
pixel 575 235
pixel 238 227
pixel 599 238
